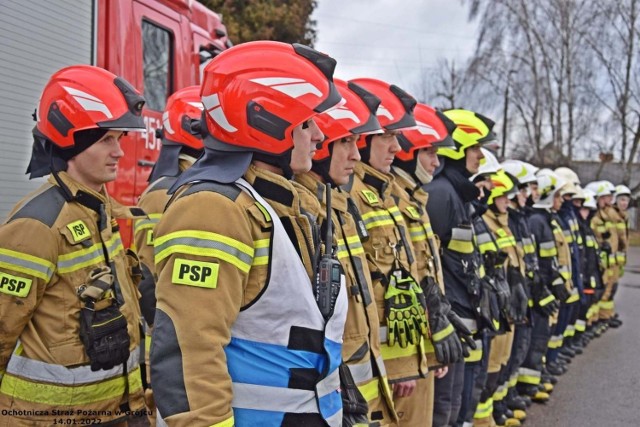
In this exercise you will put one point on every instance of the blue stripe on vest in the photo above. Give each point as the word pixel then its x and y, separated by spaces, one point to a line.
pixel 254 418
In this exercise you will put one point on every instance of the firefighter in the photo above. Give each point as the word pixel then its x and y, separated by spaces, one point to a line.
pixel 413 167
pixel 622 198
pixel 497 219
pixel 64 273
pixel 619 215
pixel 451 222
pixel 181 146
pixel 397 292
pixel 545 229
pixel 536 291
pixel 607 236
pixel 593 265
pixel 569 253
pixel 333 163
pixel 238 337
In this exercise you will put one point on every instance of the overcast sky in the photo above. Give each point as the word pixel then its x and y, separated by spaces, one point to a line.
pixel 393 40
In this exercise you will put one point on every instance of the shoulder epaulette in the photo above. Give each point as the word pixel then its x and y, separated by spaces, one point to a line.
pixel 230 191
pixel 44 207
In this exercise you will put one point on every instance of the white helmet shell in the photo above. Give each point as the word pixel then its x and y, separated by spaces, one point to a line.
pixel 488 166
pixel 601 188
pixel 571 178
pixel 548 185
pixel 523 171
pixel 589 199
pixel 622 190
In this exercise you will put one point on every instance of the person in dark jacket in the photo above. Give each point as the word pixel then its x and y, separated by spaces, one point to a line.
pixel 451 222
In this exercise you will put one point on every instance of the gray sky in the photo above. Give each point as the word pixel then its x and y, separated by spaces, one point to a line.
pixel 393 40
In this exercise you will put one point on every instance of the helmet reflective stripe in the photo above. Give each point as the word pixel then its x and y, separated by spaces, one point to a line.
pixel 289 86
pixel 212 105
pixel 382 111
pixel 426 129
pixel 166 125
pixel 342 113
pixel 88 102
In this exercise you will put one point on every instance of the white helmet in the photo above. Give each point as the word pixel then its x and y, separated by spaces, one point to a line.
pixel 524 172
pixel 601 188
pixel 488 166
pixel 579 193
pixel 622 190
pixel 543 172
pixel 548 185
pixel 571 178
pixel 589 199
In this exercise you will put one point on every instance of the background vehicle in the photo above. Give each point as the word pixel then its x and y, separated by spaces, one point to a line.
pixel 159 46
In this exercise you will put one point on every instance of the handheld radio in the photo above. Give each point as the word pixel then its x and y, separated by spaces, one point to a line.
pixel 329 270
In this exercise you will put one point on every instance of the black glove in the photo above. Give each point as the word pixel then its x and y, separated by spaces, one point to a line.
pixel 446 342
pixel 519 298
pixel 489 307
pixel 559 289
pixel 464 334
pixel 503 292
pixel 354 406
pixel 543 300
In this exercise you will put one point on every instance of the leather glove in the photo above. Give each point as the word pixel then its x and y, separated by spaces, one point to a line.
pixel 447 344
pixel 354 405
pixel 558 289
pixel 503 292
pixel 543 300
pixel 489 307
pixel 464 334
pixel 404 306
pixel 519 298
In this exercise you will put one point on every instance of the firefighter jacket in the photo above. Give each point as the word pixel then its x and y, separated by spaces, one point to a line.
pixel 48 247
pixel 361 338
pixel 388 241
pixel 607 236
pixel 569 222
pixel 451 222
pixel 620 220
pixel 564 257
pixel 519 225
pixel 424 243
pixel 152 201
pixel 238 337
pixel 545 234
pixel 498 224
pixel 591 268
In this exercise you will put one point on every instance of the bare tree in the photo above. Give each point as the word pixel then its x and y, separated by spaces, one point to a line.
pixel 615 48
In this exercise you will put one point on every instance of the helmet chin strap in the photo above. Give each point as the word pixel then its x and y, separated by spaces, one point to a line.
pixel 282 162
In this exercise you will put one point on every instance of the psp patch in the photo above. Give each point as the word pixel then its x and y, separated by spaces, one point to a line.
pixel 195 273
pixel 14 285
pixel 79 231
pixel 370 197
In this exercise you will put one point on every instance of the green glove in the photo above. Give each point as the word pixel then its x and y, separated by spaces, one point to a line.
pixel 404 306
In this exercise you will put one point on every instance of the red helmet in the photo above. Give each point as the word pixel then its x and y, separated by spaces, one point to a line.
pixel 433 129
pixel 357 115
pixel 395 111
pixel 255 93
pixel 184 110
pixel 83 97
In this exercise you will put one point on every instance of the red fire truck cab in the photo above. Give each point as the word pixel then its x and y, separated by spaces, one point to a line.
pixel 159 46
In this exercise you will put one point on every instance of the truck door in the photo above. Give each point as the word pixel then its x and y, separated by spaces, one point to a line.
pixel 154 49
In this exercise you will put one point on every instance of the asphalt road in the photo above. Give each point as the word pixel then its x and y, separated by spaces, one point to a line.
pixel 602 386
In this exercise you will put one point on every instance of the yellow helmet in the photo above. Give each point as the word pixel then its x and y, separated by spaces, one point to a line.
pixel 472 129
pixel 502 186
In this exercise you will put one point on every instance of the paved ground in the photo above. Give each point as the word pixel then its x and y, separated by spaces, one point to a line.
pixel 602 386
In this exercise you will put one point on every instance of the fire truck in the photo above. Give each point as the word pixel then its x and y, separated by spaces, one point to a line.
pixel 159 46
